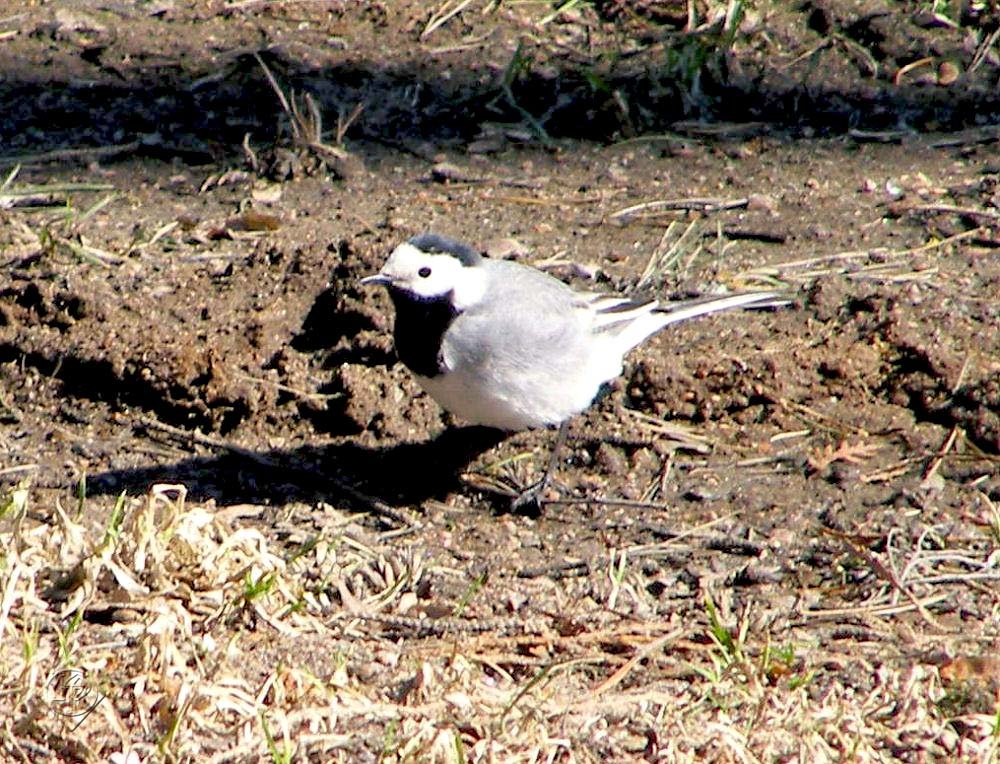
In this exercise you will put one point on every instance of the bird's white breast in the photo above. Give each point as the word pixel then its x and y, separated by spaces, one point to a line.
pixel 517 400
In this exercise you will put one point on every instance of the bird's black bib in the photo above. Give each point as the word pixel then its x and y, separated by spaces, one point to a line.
pixel 420 327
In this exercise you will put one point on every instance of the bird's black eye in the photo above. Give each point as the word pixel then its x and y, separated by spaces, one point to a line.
pixel 424 272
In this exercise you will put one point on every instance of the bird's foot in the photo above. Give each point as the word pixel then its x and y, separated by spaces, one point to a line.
pixel 530 501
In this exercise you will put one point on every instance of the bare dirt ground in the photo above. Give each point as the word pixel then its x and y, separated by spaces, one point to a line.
pixel 232 528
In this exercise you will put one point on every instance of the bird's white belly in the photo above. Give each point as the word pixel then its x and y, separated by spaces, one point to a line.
pixel 511 404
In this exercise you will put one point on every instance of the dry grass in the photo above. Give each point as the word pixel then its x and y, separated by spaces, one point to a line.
pixel 188 633
pixel 179 631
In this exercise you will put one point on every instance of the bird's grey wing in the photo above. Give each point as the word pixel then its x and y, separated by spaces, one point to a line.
pixel 527 318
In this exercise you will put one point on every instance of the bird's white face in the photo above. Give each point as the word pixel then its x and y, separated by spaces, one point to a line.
pixel 428 276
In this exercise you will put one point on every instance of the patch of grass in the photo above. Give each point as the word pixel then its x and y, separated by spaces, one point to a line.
pixel 114 526
pixel 784 663
pixel 65 637
pixel 283 754
pixel 730 646
pixel 256 588
pixel 700 53
pixel 13 505
pixel 63 233
pixel 519 65
pixel 969 697
pixel 81 494
pixel 29 642
pixel 390 739
pixel 475 586
pixel 351 681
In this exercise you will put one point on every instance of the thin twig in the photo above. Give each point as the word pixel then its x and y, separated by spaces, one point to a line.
pixel 878 610
pixel 982 50
pixel 952 209
pixel 887 574
pixel 442 16
pixel 700 204
pixel 616 678
pixel 57 188
pixel 18 468
pixel 12 201
pixel 71 155
pixel 904 70
pixel 274 85
pixel 935 463
pixel 778 269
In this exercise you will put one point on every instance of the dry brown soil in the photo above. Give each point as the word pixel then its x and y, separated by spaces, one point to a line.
pixel 204 326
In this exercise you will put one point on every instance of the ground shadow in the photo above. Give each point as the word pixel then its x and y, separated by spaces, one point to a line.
pixel 200 110
pixel 406 473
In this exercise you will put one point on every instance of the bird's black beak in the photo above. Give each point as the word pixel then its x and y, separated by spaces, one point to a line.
pixel 379 279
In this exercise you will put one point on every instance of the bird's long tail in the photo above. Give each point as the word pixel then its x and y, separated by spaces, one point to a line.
pixel 631 322
pixel 682 311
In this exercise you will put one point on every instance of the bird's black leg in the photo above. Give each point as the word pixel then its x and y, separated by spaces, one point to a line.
pixel 529 501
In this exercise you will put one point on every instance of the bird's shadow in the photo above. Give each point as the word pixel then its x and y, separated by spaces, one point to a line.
pixel 406 473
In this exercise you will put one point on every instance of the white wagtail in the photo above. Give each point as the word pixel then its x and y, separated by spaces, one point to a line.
pixel 502 344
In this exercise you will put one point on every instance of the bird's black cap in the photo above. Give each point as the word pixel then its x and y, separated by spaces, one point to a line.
pixel 435 244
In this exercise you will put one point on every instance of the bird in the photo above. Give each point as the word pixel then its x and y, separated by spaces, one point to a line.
pixel 504 345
